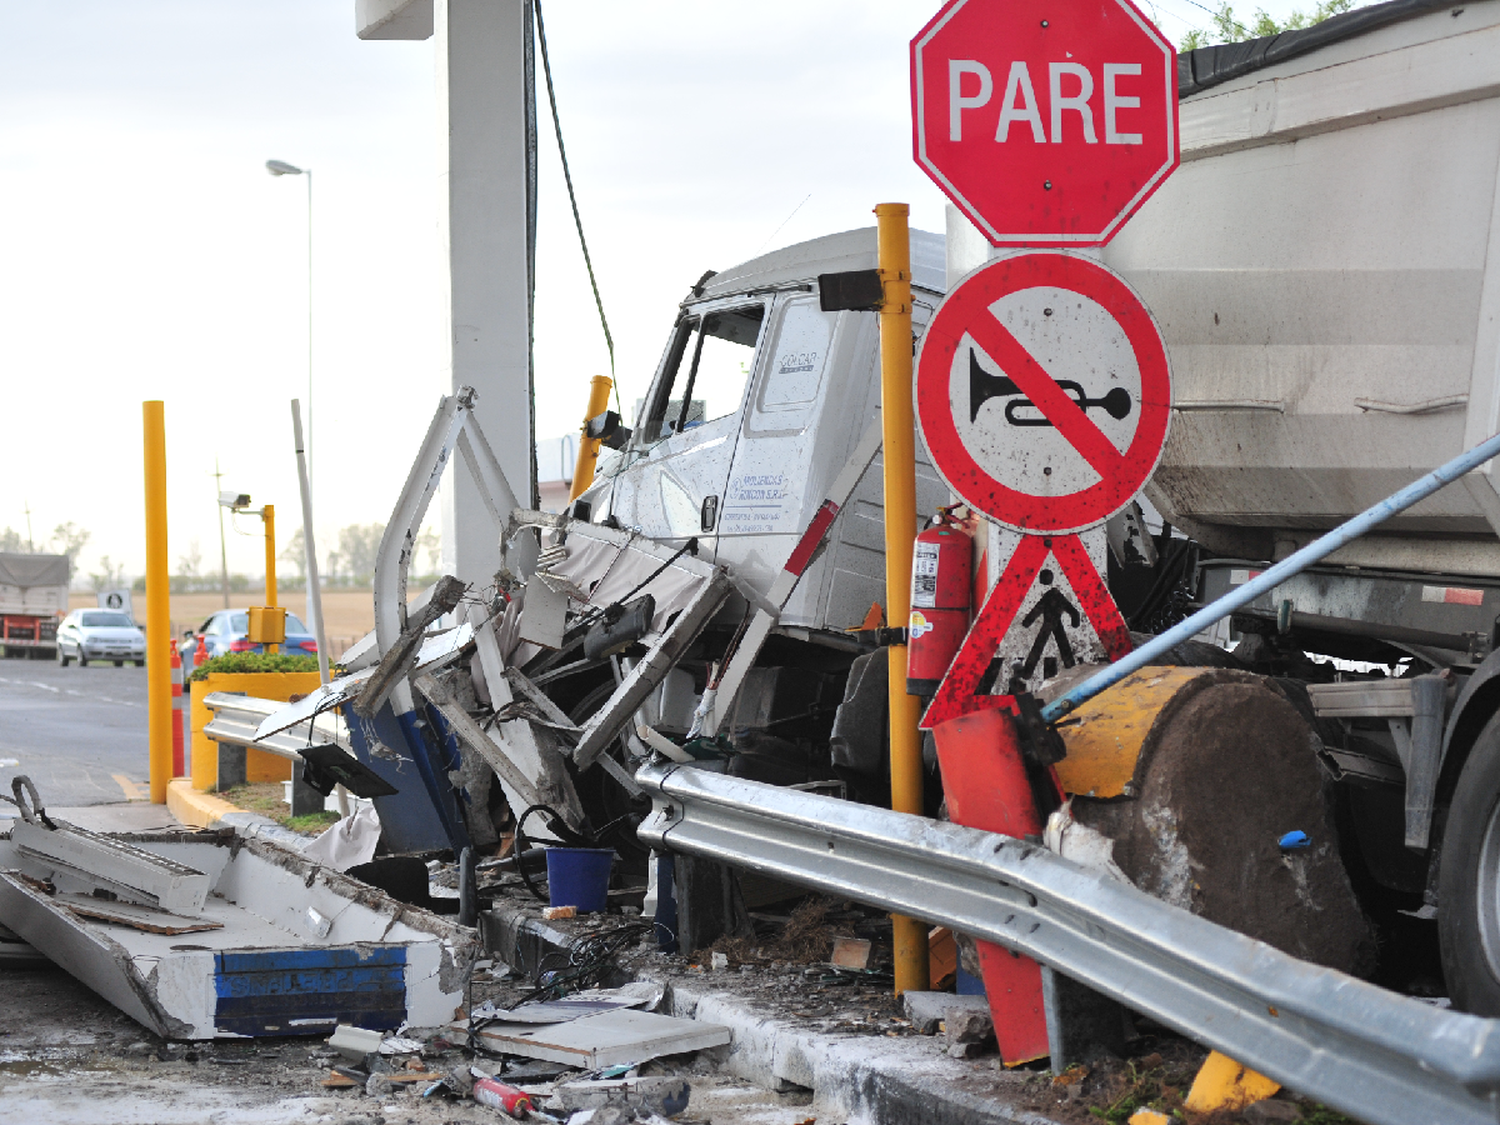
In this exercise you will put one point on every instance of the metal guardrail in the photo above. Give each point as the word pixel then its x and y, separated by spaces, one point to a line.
pixel 1384 1058
pixel 236 718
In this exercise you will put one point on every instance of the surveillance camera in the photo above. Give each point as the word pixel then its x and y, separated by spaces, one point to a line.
pixel 234 500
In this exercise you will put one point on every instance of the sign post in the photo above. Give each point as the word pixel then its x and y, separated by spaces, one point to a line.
pixel 1043 389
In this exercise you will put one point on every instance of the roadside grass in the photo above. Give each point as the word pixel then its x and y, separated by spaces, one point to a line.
pixel 265 798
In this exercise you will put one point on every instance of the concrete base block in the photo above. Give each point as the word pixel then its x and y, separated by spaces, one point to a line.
pixel 305 799
pixel 231 766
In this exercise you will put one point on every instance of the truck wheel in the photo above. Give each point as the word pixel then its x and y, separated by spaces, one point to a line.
pixel 1469 882
pixel 62 657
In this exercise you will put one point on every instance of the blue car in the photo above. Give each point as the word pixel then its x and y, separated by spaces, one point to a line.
pixel 225 632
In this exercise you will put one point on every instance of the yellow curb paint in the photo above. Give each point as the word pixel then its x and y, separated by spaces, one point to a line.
pixel 201 810
pixel 132 789
pixel 1223 1083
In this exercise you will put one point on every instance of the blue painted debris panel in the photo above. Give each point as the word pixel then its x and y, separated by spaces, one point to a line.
pixel 285 991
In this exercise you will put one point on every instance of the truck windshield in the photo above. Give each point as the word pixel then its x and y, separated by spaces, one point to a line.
pixel 707 368
pixel 104 619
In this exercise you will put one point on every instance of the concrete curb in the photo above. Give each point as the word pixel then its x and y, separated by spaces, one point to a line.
pixel 204 810
pixel 853 1077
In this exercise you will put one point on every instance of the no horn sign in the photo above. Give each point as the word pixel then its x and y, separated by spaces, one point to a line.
pixel 1047 122
pixel 1044 392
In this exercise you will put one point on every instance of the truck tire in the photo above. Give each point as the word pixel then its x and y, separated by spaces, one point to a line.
pixel 1469 881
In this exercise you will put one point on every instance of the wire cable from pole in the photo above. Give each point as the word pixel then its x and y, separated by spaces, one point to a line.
pixel 609 340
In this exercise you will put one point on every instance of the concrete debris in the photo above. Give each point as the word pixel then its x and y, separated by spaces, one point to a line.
pixel 354 1043
pixel 851 953
pixel 927 1010
pixel 969 1033
pixel 665 1096
pixel 617 1036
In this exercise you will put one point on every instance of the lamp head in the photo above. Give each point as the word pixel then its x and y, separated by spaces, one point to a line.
pixel 282 168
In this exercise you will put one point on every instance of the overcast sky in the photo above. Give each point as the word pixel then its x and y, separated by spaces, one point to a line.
pixel 145 253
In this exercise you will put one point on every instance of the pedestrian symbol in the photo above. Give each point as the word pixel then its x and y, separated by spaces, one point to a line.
pixel 1051 608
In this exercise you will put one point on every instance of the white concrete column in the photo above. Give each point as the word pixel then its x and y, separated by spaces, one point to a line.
pixel 484 121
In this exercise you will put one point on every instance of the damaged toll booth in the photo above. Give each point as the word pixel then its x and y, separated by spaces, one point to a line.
pixel 714 595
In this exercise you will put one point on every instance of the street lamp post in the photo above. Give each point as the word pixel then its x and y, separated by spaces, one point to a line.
pixel 282 168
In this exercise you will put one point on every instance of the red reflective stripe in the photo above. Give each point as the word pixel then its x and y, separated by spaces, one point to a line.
pixel 802 554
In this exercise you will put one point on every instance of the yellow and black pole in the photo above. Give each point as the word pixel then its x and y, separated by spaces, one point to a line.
pixel 588 447
pixel 158 606
pixel 893 259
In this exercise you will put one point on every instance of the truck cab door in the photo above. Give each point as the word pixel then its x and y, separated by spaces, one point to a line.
pixel 689 424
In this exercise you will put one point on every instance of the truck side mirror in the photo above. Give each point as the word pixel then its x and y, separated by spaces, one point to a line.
pixel 607 429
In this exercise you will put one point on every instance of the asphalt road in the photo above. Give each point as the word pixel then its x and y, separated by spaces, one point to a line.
pixel 78 733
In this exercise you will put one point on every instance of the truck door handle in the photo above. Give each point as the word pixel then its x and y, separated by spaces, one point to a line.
pixel 708 515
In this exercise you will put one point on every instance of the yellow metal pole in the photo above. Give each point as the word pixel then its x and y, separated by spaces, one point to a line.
pixel 158 607
pixel 588 448
pixel 268 517
pixel 900 461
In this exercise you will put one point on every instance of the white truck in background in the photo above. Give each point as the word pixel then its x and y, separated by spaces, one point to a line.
pixel 33 599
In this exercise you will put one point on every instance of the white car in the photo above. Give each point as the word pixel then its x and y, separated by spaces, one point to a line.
pixel 100 634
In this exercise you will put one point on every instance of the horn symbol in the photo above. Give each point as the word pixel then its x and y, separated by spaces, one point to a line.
pixel 983 386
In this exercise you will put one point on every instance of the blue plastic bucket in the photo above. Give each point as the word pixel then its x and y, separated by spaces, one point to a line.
pixel 579 877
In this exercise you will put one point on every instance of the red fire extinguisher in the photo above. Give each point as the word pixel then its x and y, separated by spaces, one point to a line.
pixel 942 568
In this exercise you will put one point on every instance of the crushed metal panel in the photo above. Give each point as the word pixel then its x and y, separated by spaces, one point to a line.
pixel 437 652
pixel 605 724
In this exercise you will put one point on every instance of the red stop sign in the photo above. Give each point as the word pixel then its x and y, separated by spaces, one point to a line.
pixel 1048 122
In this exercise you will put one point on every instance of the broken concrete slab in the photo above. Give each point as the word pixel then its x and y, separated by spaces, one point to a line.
pixel 299 948
pixel 619 1036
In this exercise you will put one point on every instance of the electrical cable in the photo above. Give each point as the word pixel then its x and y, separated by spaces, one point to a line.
pixel 562 151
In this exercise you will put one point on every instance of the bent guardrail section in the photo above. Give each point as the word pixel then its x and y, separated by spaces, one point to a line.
pixel 1385 1058
pixel 236 718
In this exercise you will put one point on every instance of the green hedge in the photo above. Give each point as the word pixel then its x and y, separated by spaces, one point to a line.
pixel 242 662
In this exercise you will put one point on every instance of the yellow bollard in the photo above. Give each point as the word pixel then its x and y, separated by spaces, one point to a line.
pixel 893 257
pixel 158 605
pixel 268 517
pixel 588 448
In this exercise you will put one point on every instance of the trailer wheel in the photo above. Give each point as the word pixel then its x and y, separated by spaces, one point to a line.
pixel 1469 881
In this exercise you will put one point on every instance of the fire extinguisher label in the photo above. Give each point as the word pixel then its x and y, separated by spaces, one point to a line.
pixel 924 574
pixel 917 625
